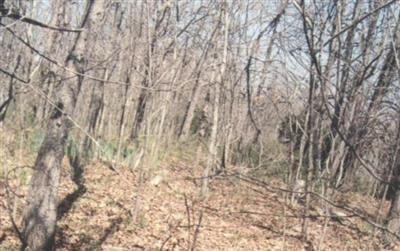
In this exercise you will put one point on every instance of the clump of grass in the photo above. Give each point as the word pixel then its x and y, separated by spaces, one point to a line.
pixel 36 138
pixel 108 149
pixel 362 184
pixel 72 149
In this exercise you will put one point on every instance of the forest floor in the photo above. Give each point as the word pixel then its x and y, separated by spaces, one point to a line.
pixel 123 209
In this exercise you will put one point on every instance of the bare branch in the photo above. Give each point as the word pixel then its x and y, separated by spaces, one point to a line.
pixel 359 20
pixel 16 16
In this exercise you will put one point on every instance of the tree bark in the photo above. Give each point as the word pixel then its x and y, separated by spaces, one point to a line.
pixel 213 145
pixel 41 213
pixel 47 75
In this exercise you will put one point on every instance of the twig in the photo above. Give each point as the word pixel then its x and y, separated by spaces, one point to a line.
pixel 197 231
pixel 10 214
pixel 165 242
pixel 353 212
pixel 188 219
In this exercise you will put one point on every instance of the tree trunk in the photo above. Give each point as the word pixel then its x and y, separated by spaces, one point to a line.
pixel 213 147
pixel 152 35
pixel 47 75
pixel 393 219
pixel 189 110
pixel 96 103
pixel 41 212
pixel 4 105
pixel 141 107
pixel 394 212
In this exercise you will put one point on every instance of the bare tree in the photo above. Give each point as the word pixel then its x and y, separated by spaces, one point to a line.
pixel 41 213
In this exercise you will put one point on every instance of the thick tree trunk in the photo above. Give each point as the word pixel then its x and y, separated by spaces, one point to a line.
pixel 41 212
pixel 394 212
pixel 393 218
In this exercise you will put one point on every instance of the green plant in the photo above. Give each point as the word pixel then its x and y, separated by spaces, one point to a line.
pixel 361 184
pixel 36 138
pixel 108 149
pixel 72 149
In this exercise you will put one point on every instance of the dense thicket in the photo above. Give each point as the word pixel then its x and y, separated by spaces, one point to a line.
pixel 322 77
